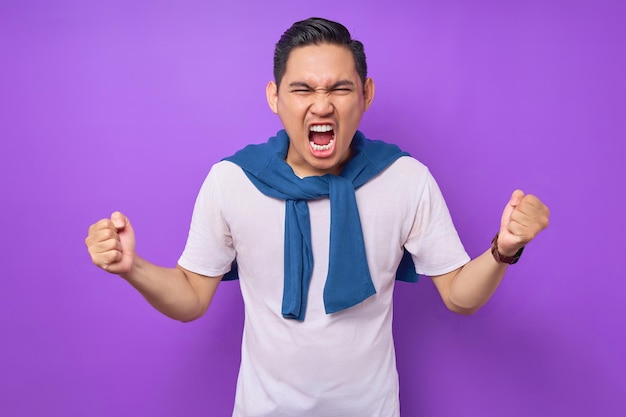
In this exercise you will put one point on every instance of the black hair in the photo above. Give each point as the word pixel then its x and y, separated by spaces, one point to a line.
pixel 316 31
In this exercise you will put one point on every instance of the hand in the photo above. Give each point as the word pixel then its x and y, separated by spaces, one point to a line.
pixel 111 244
pixel 523 218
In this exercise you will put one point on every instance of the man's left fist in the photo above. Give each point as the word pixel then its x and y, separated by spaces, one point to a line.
pixel 522 219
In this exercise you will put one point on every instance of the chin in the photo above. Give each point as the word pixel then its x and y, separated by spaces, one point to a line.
pixel 330 165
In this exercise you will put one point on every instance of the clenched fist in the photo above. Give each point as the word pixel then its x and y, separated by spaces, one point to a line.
pixel 111 244
pixel 523 218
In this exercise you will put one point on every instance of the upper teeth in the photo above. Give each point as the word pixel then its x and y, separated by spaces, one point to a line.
pixel 321 128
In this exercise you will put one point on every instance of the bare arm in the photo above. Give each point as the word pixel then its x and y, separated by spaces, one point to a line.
pixel 175 292
pixel 468 288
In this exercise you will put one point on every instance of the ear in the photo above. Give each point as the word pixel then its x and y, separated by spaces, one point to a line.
pixel 271 92
pixel 368 92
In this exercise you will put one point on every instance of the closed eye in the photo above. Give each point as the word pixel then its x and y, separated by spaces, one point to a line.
pixel 342 87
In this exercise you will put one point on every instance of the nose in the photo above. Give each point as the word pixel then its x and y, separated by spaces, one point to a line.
pixel 322 104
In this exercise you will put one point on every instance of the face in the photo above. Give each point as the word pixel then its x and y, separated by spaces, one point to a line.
pixel 320 102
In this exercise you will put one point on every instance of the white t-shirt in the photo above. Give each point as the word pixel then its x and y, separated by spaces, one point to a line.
pixel 329 365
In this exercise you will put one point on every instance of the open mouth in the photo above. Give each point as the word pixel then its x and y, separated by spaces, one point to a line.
pixel 321 137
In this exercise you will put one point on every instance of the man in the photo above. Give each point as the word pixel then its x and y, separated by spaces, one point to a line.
pixel 317 220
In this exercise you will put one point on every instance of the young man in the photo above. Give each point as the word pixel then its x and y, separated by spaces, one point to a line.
pixel 318 220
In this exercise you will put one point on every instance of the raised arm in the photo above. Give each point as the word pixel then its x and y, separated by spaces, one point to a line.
pixel 468 288
pixel 175 292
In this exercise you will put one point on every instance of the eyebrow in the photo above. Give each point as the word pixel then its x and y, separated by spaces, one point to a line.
pixel 340 83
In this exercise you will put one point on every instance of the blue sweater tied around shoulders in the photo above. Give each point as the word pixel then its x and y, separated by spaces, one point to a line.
pixel 348 281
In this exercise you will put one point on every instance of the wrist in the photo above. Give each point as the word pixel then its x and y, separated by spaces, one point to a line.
pixel 134 266
pixel 503 255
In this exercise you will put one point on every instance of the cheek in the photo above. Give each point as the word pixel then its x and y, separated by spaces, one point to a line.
pixel 292 103
pixel 352 109
pixel 291 113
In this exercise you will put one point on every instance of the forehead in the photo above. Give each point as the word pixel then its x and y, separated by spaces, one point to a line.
pixel 320 64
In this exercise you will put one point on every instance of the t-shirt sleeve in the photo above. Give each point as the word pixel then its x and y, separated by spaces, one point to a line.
pixel 433 241
pixel 209 249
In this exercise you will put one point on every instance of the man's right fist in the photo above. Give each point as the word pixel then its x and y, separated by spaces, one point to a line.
pixel 111 244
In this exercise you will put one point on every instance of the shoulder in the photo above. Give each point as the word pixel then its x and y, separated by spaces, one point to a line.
pixel 407 169
pixel 409 163
pixel 225 172
pixel 224 177
pixel 405 179
pixel 225 167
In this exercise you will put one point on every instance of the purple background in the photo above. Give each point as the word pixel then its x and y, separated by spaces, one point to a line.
pixel 125 105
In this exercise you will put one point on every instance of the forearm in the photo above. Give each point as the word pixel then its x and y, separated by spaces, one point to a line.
pixel 468 288
pixel 474 284
pixel 168 290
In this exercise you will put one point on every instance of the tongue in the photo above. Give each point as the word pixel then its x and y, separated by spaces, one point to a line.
pixel 320 138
